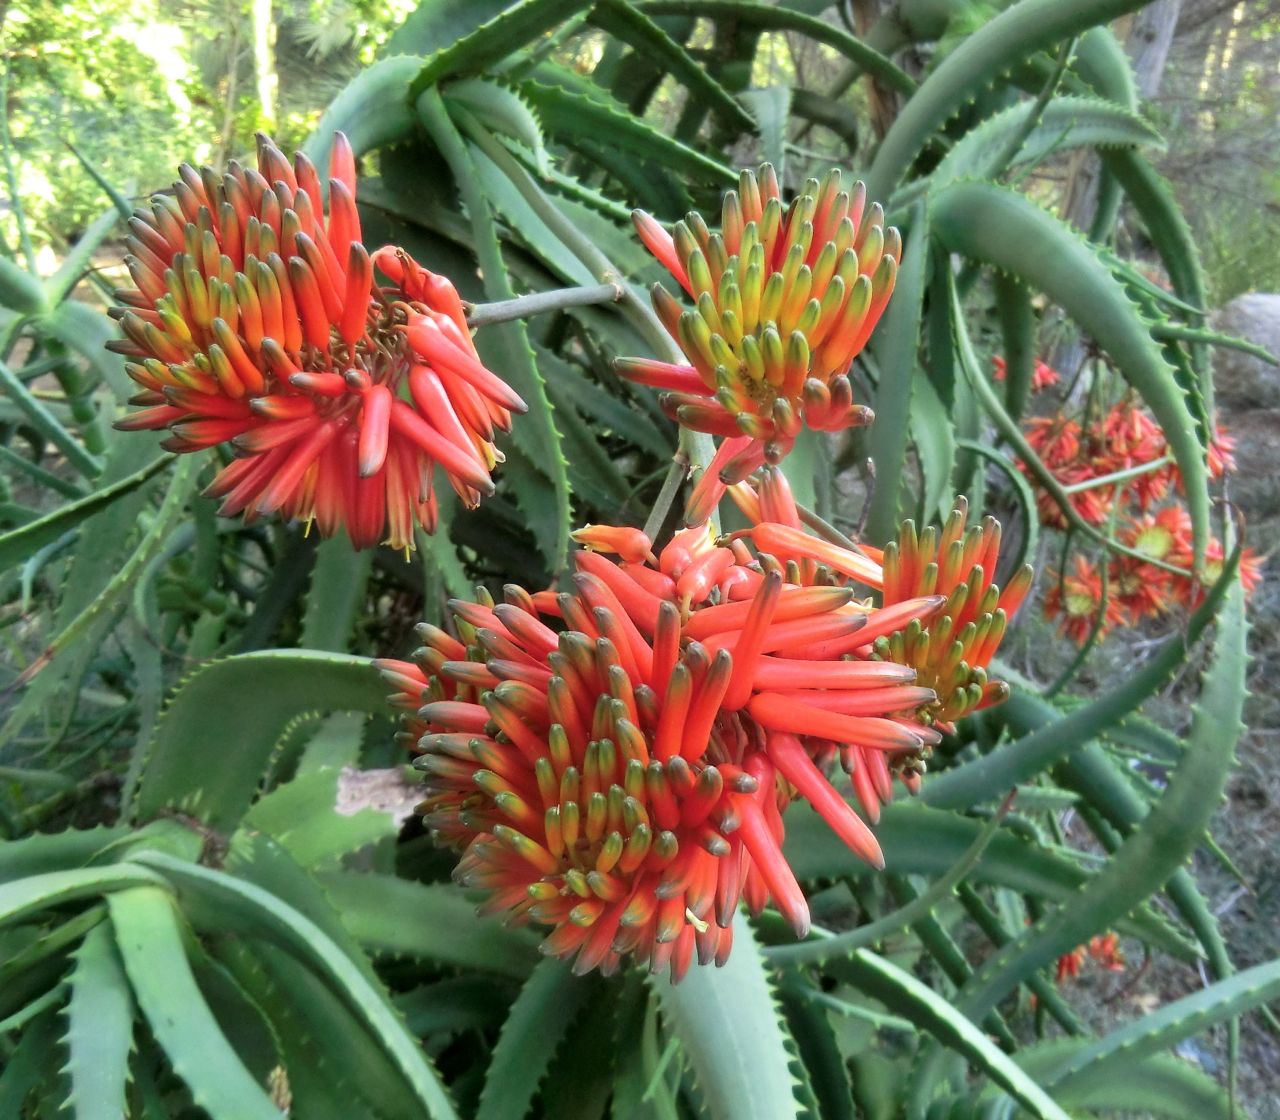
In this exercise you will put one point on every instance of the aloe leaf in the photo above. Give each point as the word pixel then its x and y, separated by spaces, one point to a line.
pixel 54 851
pixel 26 1063
pixel 42 419
pixel 1029 539
pixel 1160 1084
pixel 818 951
pixel 337 592
pixel 502 110
pixel 21 290
pixel 434 24
pixel 918 840
pixel 1157 848
pixel 998 45
pixel 371 110
pixel 505 346
pixel 770 107
pixel 524 224
pixel 23 897
pixel 627 22
pixel 514 27
pixel 1018 335
pixel 904 995
pixel 86 330
pixel 935 445
pixel 1066 123
pixel 151 947
pixel 729 1028
pixel 305 818
pixel 1154 200
pixel 231 753
pixel 1167 1026
pixel 810 1026
pixel 248 908
pixel 429 922
pixel 769 17
pixel 99 1029
pixel 18 545
pixel 578 114
pixel 549 1001
pixel 78 260
pixel 895 345
pixel 1003 228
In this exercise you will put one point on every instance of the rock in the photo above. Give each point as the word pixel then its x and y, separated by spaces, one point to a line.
pixel 1241 380
pixel 1255 484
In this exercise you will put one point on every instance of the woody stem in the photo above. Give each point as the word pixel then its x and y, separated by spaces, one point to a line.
pixel 538 303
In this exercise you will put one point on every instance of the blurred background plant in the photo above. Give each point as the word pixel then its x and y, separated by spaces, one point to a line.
pixel 172 781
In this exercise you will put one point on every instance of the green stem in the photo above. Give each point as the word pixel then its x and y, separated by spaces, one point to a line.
pixel 1118 476
pixel 823 946
pixel 676 474
pixel 524 307
pixel 1014 142
pixel 1099 621
pixel 579 244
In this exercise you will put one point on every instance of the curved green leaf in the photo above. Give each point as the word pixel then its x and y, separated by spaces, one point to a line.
pixel 430 922
pixel 99 1029
pixel 155 958
pixel 506 346
pixel 786 18
pixel 1166 1027
pixel 211 768
pixel 627 22
pixel 582 112
pixel 24 897
pixel 243 907
pixel 1006 40
pixel 514 27
pixel 730 1030
pixel 904 995
pixel 918 840
pixel 1158 847
pixel 549 1001
pixel 1003 228
pixel 1066 123
pixel 895 345
pixel 371 110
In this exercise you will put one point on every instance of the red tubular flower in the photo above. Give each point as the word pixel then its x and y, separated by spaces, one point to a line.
pixel 785 299
pixel 257 322
pixel 613 761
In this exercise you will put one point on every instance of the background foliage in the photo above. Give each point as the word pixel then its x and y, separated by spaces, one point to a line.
pixel 201 793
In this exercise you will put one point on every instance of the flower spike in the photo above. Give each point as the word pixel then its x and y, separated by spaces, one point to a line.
pixel 256 320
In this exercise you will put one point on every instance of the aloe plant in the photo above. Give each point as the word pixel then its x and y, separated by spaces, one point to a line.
pixel 258 925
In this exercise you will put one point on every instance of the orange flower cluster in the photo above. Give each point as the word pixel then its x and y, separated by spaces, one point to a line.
pixel 1043 376
pixel 1103 950
pixel 613 761
pixel 785 299
pixel 257 323
pixel 1150 520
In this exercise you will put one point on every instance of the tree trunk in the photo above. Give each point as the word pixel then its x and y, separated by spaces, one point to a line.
pixel 1149 42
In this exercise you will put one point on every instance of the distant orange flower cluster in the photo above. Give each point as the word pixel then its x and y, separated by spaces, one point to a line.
pixel 1126 458
pixel 1103 950
pixel 1043 376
